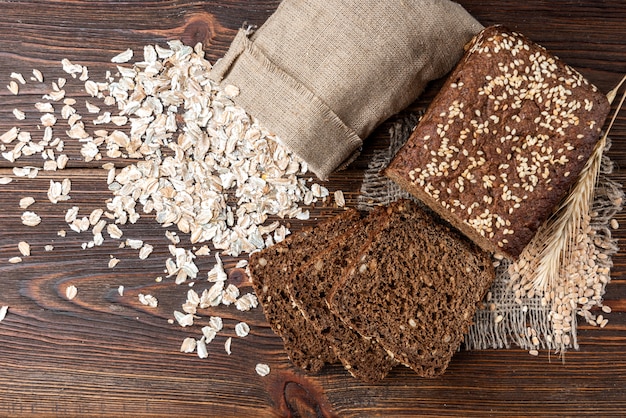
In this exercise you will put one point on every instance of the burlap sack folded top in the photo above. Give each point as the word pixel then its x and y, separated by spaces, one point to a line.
pixel 323 74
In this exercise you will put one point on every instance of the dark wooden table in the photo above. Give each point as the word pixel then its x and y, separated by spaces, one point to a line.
pixel 101 354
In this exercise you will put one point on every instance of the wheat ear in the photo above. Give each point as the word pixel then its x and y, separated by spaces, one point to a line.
pixel 557 239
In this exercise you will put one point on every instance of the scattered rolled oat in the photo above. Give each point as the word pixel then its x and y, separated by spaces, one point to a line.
pixel 24 248
pixel 262 369
pixel 48 247
pixel 232 91
pixel 25 202
pixel 59 190
pixel 242 329
pixel 201 349
pixel 19 115
pixel 71 291
pixel 3 312
pixel 135 244
pixel 19 77
pixel 247 302
pixel 227 345
pixel 184 320
pixel 113 262
pixel 37 75
pixel 148 300
pixel 204 250
pixel 10 135
pixel 123 57
pixel 13 87
pixel 216 323
pixel 44 107
pixel 188 345
pixel 145 251
pixel 230 294
pixel 208 333
pixel 15 260
pixel 120 290
pixel 114 231
pixel 30 218
pixel 5 180
pixel 339 198
pixel 30 172
pixel 217 273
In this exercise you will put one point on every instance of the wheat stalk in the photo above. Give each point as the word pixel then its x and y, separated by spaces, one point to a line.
pixel 557 239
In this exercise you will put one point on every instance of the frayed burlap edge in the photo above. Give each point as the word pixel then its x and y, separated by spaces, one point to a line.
pixel 504 320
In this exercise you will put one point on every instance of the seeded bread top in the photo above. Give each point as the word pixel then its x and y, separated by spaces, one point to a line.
pixel 503 141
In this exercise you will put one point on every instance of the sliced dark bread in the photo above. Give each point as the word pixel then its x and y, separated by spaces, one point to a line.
pixel 364 358
pixel 270 270
pixel 414 288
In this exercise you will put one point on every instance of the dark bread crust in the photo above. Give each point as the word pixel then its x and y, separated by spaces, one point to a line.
pixel 503 141
pixel 270 270
pixel 364 358
pixel 414 288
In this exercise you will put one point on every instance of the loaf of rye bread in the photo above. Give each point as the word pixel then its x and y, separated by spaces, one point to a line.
pixel 270 270
pixel 364 358
pixel 414 287
pixel 503 141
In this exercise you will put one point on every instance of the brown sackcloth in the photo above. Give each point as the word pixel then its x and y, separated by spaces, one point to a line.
pixel 322 74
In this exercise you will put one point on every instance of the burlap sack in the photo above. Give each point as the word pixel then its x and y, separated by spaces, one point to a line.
pixel 322 74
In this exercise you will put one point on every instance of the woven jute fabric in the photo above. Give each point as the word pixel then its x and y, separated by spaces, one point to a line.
pixel 323 74
pixel 502 321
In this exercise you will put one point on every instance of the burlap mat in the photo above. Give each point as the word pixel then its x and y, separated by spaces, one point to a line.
pixel 502 321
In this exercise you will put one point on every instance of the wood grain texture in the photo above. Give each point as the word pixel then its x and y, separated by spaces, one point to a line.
pixel 105 355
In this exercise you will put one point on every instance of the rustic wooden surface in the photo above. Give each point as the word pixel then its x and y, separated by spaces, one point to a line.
pixel 101 354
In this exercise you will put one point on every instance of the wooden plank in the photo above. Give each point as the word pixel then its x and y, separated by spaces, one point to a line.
pixel 104 354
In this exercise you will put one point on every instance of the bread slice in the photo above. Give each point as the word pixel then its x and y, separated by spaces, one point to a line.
pixel 364 358
pixel 503 141
pixel 414 288
pixel 270 270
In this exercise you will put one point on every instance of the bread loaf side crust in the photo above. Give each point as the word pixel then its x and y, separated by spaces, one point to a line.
pixel 362 357
pixel 270 270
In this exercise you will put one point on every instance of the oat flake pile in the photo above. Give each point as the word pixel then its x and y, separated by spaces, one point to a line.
pixel 204 165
